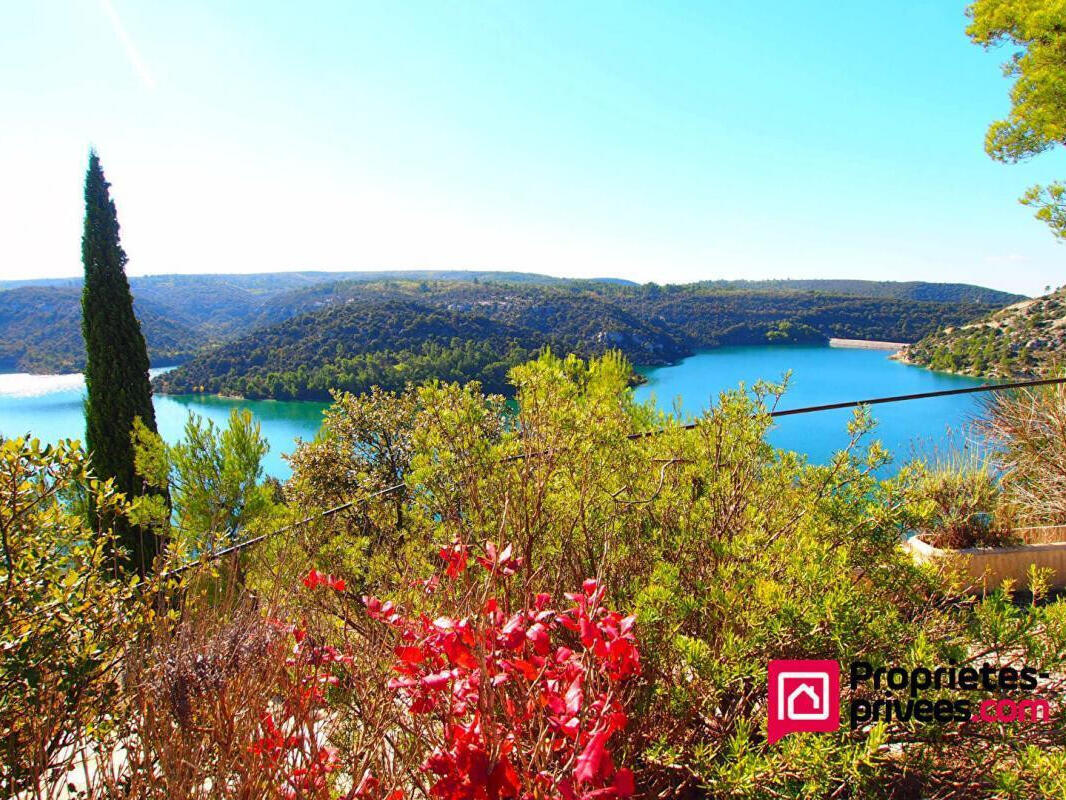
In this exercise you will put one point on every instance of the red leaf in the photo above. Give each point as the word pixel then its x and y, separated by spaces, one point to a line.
pixel 538 636
pixel 574 695
pixel 528 670
pixel 315 578
pixel 503 780
pixel 458 653
pixel 512 634
pixel 410 654
pixel 588 763
pixel 437 680
pixel 589 634
pixel 624 783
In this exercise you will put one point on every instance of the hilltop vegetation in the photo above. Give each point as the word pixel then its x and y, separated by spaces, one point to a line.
pixel 183 314
pixel 352 335
pixel 1024 340
pixel 895 290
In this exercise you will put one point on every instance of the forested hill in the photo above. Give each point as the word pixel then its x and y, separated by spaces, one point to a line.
pixel 1024 340
pixel 40 331
pixel 389 341
pixel 40 323
pixel 391 332
pixel 40 320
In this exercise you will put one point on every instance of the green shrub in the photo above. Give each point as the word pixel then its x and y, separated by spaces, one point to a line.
pixel 64 618
pixel 730 552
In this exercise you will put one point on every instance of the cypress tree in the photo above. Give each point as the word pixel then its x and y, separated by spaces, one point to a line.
pixel 116 365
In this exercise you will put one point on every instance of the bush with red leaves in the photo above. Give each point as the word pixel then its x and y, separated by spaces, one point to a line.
pixel 512 702
pixel 291 746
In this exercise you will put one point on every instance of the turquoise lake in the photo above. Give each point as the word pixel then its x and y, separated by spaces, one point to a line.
pixel 822 375
pixel 50 406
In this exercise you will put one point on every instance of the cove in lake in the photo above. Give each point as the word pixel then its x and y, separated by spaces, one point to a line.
pixel 822 375
pixel 50 406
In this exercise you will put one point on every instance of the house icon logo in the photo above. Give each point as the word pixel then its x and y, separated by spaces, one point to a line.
pixel 804 696
pixel 818 707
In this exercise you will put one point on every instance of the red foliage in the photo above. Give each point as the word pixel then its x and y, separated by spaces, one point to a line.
pixel 315 578
pixel 289 746
pixel 521 704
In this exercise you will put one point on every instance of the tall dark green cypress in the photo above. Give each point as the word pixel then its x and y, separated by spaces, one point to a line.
pixel 116 365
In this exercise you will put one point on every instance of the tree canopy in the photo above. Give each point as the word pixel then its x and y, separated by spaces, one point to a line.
pixel 1037 119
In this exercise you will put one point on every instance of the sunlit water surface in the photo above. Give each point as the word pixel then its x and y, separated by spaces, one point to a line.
pixel 822 375
pixel 50 407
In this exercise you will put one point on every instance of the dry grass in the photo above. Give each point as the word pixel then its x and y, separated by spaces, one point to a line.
pixel 222 674
pixel 1028 429
pixel 957 498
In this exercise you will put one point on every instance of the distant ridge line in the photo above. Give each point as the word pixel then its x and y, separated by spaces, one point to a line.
pixel 849 286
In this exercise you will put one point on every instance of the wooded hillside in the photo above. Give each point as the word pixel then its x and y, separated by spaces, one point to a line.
pixel 389 333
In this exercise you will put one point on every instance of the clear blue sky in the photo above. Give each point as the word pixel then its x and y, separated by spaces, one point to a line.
pixel 666 141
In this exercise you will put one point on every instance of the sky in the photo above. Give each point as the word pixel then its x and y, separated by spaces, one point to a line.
pixel 661 141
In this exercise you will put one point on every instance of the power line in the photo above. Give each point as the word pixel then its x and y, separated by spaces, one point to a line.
pixel 900 398
pixel 236 548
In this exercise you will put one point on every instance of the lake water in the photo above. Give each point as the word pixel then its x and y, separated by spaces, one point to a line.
pixel 822 375
pixel 50 406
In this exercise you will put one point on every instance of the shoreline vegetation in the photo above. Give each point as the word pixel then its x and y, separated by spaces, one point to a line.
pixel 1026 339
pixel 638 378
pixel 73 379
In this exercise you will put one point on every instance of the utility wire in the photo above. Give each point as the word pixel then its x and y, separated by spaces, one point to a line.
pixel 236 548
pixel 873 401
pixel 900 398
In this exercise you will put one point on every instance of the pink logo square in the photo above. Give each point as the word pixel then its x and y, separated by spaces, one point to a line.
pixel 804 696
